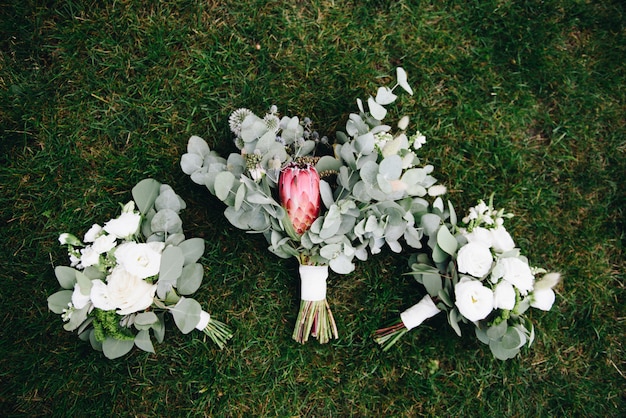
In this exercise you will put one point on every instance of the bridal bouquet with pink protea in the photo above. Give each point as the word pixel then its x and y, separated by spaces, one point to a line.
pixel 327 206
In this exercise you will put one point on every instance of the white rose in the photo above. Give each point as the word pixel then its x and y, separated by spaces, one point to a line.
pixel 92 234
pixel 516 272
pixel 104 243
pixel 123 291
pixel 502 241
pixel 480 235
pixel 141 260
pixel 419 312
pixel 504 295
pixel 125 225
pixel 474 258
pixel 475 301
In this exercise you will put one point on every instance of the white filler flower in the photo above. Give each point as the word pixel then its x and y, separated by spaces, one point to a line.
pixel 474 300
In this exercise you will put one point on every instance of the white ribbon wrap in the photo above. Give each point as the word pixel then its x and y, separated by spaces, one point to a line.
pixel 313 282
pixel 419 312
pixel 204 321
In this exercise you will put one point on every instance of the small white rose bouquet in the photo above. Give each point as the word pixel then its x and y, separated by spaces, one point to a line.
pixel 475 274
pixel 126 275
pixel 324 210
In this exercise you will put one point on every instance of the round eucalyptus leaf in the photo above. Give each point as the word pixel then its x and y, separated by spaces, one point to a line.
pixel 223 184
pixel 446 241
pixel 145 193
pixel 190 163
pixel 186 314
pixel 198 146
pixel 192 249
pixel 142 341
pixel 59 301
pixel 113 348
pixel 190 279
pixel 166 220
pixel 66 276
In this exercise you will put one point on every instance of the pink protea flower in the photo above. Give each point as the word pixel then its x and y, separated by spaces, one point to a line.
pixel 299 192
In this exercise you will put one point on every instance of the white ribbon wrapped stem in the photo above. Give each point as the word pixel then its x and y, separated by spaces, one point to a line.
pixel 313 282
pixel 204 320
pixel 419 312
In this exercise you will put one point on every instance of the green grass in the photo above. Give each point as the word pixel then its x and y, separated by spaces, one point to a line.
pixel 525 99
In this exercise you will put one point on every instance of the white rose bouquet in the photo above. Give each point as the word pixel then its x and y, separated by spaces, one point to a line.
pixel 126 275
pixel 324 210
pixel 475 274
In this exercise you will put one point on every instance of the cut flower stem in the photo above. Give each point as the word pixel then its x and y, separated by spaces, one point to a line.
pixel 218 332
pixel 315 319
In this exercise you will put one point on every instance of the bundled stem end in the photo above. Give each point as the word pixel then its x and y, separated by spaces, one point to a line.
pixel 388 336
pixel 315 319
pixel 218 332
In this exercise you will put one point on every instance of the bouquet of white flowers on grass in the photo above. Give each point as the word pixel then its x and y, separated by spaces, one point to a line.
pixel 324 210
pixel 475 274
pixel 127 274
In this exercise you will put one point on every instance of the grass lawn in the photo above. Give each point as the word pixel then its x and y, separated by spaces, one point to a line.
pixel 524 99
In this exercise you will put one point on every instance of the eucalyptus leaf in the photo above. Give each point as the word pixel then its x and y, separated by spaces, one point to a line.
pixel 376 110
pixel 66 276
pixel 190 279
pixel 326 194
pixel 500 352
pixel 365 143
pixel 186 314
pixel 432 283
pixel 439 255
pixel 197 145
pixel 513 339
pixel 224 182
pixel 240 196
pixel 84 283
pixel 158 328
pixel 453 319
pixel 495 332
pixel 168 199
pixel 146 318
pixel 145 193
pixel 192 249
pixel 59 301
pixel 190 163
pixel 97 345
pixel 170 269
pixel 430 223
pixel 166 220
pixel 327 163
pixel 341 264
pixel 142 341
pixel 446 241
pixel 113 348
pixel 78 317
